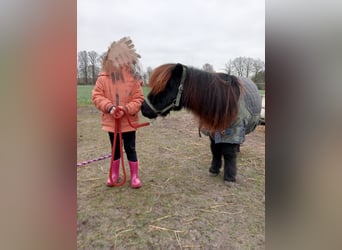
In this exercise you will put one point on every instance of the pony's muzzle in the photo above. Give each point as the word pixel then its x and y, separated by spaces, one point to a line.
pixel 147 111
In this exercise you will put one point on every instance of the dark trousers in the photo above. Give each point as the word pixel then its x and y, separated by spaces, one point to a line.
pixel 229 153
pixel 128 139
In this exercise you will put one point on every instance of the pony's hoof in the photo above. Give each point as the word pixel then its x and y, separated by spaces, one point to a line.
pixel 230 184
pixel 213 174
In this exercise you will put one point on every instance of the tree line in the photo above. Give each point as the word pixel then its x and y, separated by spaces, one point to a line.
pixel 89 66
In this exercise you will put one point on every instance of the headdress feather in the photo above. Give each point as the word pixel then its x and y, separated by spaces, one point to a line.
pixel 121 53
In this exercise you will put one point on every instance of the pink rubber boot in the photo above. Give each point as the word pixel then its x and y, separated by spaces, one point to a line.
pixel 135 182
pixel 115 173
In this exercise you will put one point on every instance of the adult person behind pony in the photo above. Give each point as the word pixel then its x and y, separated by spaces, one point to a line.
pixel 119 86
pixel 226 143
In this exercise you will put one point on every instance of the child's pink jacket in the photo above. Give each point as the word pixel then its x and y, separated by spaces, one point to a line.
pixel 127 93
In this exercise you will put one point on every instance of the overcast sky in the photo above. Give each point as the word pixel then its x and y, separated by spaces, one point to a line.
pixel 192 32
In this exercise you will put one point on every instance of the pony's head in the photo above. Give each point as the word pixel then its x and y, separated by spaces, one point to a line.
pixel 166 83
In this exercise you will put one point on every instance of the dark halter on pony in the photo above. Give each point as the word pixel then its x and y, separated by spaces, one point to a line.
pixel 176 102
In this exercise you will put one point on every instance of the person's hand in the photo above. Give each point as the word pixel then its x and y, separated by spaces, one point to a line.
pixel 118 112
pixel 112 111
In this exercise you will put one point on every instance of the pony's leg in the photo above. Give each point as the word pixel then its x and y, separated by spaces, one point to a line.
pixel 216 161
pixel 229 152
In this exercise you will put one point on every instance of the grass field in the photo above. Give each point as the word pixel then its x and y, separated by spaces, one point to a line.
pixel 179 205
pixel 84 94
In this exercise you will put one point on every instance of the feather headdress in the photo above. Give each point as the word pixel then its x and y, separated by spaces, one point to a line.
pixel 120 54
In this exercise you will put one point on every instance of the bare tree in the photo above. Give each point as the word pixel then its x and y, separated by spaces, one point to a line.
pixel 239 65
pixel 208 67
pixel 258 66
pixel 101 57
pixel 93 59
pixel 248 61
pixel 229 67
pixel 83 63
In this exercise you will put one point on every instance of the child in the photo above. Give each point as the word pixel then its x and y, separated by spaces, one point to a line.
pixel 119 86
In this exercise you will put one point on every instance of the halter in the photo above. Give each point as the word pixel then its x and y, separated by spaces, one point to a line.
pixel 176 102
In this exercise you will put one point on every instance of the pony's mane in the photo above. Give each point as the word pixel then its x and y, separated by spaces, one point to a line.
pixel 213 98
pixel 159 77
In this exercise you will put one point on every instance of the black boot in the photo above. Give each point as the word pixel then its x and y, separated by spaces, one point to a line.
pixel 216 161
pixel 229 152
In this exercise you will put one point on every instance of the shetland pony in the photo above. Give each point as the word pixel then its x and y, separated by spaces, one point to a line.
pixel 212 97
pixel 227 108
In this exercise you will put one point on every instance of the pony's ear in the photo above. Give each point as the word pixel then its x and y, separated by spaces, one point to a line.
pixel 177 71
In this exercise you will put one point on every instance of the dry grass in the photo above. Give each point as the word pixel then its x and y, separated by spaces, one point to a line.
pixel 179 205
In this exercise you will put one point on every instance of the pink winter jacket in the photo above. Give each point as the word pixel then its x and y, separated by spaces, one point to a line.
pixel 127 93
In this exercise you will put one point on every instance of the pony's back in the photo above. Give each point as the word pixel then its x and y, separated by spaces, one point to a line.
pixel 252 103
pixel 252 97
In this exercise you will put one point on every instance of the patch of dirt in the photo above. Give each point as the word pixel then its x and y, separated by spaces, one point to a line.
pixel 179 205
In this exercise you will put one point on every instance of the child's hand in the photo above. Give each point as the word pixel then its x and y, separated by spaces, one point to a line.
pixel 112 110
pixel 118 112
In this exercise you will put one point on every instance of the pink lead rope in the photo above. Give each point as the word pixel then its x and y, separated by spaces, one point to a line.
pixel 83 163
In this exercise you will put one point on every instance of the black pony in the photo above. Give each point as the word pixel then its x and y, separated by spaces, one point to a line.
pixel 212 97
pixel 227 107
